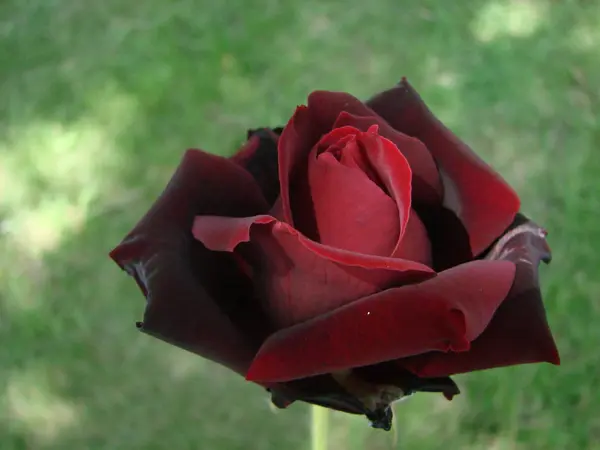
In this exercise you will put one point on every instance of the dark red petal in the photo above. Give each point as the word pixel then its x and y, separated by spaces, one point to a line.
pixel 389 372
pixel 194 296
pixel 322 390
pixel 247 152
pixel 484 202
pixel 335 109
pixel 518 332
pixel 447 235
pixel 299 278
pixel 444 313
pixel 295 144
pixel 415 244
pixel 259 157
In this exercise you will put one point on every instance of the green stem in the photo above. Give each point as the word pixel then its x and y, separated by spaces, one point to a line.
pixel 318 428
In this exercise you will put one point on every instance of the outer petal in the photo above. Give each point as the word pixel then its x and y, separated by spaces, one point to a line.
pixel 444 313
pixel 333 390
pixel 478 195
pixel 322 390
pixel 259 157
pixel 196 299
pixel 299 278
pixel 518 332
pixel 391 373
pixel 247 151
pixel 295 143
pixel 366 390
pixel 335 109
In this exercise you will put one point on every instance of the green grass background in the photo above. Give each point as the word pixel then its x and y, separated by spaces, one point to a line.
pixel 98 100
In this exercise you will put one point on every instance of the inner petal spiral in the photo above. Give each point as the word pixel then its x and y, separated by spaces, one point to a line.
pixel 356 207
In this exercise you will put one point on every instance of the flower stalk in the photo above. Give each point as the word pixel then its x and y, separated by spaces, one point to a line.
pixel 319 427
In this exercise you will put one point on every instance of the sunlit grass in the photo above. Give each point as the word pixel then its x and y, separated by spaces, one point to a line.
pixel 182 364
pixel 52 174
pixel 32 406
pixel 586 36
pixel 512 18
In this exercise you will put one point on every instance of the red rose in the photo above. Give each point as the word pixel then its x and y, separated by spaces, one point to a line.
pixel 363 254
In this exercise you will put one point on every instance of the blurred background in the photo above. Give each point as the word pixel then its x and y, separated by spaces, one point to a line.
pixel 98 100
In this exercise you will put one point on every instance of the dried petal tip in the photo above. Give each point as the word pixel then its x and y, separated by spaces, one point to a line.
pixel 381 418
pixel 279 400
pixel 516 238
pixel 264 131
pixel 375 398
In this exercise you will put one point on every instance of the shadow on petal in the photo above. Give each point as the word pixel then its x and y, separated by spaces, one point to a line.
pixel 197 299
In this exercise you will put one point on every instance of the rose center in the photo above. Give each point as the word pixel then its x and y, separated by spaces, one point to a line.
pixel 353 209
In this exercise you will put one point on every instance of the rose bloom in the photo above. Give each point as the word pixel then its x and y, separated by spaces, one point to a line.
pixel 358 255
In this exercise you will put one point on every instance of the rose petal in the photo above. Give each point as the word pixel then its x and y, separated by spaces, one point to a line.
pixel 246 153
pixel 444 313
pixel 447 236
pixel 298 277
pixel 352 196
pixel 415 244
pixel 322 390
pixel 426 183
pixel 295 143
pixel 483 201
pixel 335 109
pixel 391 373
pixel 518 332
pixel 259 157
pixel 196 299
pixel 352 212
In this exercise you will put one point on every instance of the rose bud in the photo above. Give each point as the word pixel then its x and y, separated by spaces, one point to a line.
pixel 358 255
